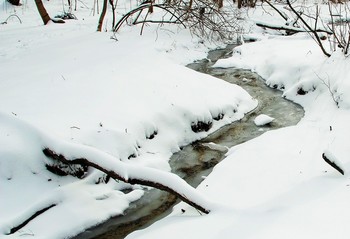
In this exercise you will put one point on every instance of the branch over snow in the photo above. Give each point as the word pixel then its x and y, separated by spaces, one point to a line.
pixel 278 11
pixel 313 32
pixel 332 161
pixel 287 28
pixel 27 220
pixel 139 175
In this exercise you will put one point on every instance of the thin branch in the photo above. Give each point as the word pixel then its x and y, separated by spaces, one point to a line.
pixel 25 222
pixel 12 15
pixel 314 33
pixel 140 8
pixel 332 164
pixel 328 85
pixel 278 11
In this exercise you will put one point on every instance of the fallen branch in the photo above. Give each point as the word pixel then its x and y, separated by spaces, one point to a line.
pixel 143 176
pixel 289 29
pixel 330 159
pixel 25 222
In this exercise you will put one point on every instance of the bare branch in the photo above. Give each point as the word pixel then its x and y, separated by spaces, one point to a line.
pixel 287 28
pixel 26 221
pixel 203 18
pixel 278 11
pixel 308 27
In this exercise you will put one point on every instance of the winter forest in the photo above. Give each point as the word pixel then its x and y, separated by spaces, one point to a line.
pixel 174 119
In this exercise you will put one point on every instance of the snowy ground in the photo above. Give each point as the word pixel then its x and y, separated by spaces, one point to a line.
pixel 66 86
pixel 277 185
pixel 72 89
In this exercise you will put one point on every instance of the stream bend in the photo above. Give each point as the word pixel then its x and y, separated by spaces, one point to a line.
pixel 197 160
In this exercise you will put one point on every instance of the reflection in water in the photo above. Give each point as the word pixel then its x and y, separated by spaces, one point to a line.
pixel 197 160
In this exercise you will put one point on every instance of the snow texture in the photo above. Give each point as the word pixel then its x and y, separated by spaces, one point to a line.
pixel 127 105
pixel 130 104
pixel 278 185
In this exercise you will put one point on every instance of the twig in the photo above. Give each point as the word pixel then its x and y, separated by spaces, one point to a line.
pixel 278 11
pixel 25 222
pixel 328 85
pixel 314 33
pixel 12 15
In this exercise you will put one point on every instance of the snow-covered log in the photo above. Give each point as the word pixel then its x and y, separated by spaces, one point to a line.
pixel 138 175
pixel 288 29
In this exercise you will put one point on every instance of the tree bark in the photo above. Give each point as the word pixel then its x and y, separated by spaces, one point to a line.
pixel 239 3
pixel 42 11
pixel 102 16
pixel 14 2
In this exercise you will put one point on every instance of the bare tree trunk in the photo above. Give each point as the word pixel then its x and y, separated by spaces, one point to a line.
pixel 42 11
pixel 14 2
pixel 239 3
pixel 102 16
pixel 220 3
pixel 111 2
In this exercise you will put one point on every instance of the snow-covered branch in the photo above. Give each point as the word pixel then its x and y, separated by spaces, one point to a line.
pixel 288 29
pixel 333 161
pixel 138 175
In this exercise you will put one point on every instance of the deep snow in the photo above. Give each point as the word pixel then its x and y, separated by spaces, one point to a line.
pixel 278 185
pixel 132 100
pixel 125 104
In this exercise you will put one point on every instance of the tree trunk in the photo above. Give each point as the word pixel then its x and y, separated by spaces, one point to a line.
pixel 42 11
pixel 102 16
pixel 239 3
pixel 14 2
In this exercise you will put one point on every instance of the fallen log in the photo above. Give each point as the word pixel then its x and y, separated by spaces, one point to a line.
pixel 289 29
pixel 143 176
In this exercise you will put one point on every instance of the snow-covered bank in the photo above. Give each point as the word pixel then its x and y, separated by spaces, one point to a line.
pixel 278 185
pixel 130 99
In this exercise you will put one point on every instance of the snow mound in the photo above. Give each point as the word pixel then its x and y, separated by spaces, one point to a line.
pixel 263 119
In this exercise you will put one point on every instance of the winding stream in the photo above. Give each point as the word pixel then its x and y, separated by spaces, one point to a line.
pixel 196 160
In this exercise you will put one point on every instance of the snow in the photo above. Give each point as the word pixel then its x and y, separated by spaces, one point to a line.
pixel 263 119
pixel 129 104
pixel 278 185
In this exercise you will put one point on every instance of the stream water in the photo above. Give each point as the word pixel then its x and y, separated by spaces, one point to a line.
pixel 196 160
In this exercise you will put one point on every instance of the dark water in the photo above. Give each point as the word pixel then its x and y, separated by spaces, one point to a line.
pixel 196 160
